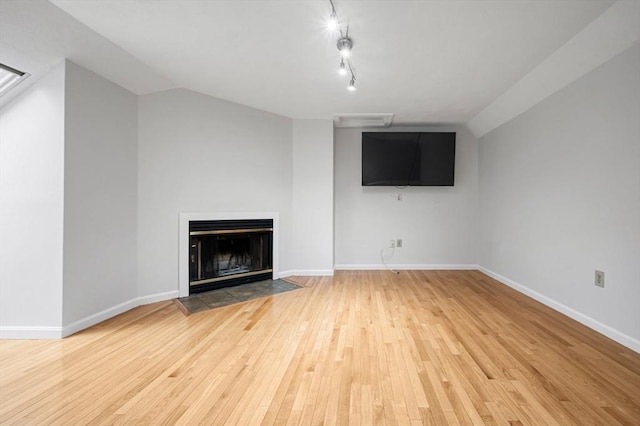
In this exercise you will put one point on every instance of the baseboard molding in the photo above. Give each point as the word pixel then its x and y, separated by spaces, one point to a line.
pixel 306 273
pixel 158 297
pixel 406 267
pixel 94 319
pixel 30 333
pixel 612 333
pixel 74 327
pixel 116 310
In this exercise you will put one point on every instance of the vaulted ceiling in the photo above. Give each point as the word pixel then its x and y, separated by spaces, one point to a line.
pixel 424 61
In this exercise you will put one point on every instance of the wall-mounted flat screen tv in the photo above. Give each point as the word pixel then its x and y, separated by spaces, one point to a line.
pixel 408 158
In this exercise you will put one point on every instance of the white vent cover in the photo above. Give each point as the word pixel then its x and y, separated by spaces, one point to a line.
pixel 363 120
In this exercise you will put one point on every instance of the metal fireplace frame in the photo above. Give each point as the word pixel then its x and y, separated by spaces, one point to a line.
pixel 184 248
pixel 224 253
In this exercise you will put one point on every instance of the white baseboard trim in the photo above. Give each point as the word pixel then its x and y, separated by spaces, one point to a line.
pixel 612 333
pixel 407 267
pixel 94 319
pixel 116 310
pixel 306 273
pixel 74 327
pixel 158 297
pixel 30 333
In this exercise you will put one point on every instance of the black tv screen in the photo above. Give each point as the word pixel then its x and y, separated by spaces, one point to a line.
pixel 408 158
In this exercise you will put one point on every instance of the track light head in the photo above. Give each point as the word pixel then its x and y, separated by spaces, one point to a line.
pixel 342 68
pixel 352 84
pixel 344 46
pixel 332 22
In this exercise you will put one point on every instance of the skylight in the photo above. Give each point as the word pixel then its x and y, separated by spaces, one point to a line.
pixel 9 77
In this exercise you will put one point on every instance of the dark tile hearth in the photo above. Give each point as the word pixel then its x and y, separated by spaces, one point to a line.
pixel 241 293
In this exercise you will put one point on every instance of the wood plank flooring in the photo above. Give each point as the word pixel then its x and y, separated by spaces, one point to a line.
pixel 361 348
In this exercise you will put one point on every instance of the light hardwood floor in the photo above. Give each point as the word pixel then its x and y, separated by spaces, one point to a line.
pixel 362 348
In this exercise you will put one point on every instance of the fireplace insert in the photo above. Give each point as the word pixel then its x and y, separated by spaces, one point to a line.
pixel 224 253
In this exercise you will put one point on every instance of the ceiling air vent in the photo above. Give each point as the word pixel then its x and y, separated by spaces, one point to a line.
pixel 362 120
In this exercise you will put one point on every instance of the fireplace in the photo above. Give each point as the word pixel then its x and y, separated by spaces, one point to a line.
pixel 224 253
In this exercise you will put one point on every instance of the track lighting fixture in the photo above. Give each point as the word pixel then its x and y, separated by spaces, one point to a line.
pixel 345 46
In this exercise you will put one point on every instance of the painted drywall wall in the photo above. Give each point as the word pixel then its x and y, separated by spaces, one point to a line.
pixel 437 224
pixel 313 197
pixel 100 195
pixel 31 210
pixel 199 154
pixel 560 198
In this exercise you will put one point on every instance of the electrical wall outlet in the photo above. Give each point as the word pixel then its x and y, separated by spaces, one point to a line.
pixel 399 242
pixel 392 244
pixel 599 278
pixel 399 196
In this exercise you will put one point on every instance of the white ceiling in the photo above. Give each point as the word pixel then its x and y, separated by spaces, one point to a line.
pixel 424 61
pixel 35 36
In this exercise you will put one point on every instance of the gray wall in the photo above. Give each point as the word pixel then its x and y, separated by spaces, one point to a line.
pixel 100 191
pixel 31 210
pixel 560 197
pixel 202 154
pixel 437 224
pixel 69 159
pixel 313 197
